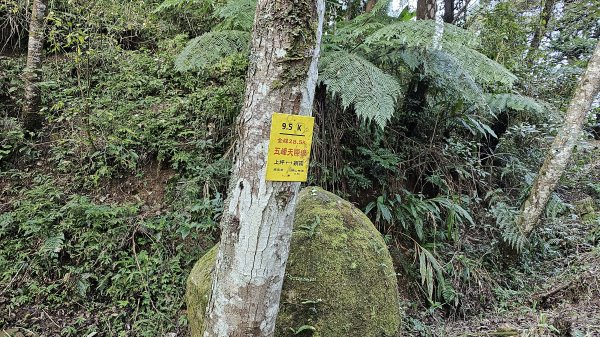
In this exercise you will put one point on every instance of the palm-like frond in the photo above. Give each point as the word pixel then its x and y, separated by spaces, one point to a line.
pixel 360 83
pixel 484 70
pixel 236 15
pixel 353 32
pixel 420 33
pixel 456 42
pixel 170 4
pixel 210 47
pixel 451 80
pixel 501 102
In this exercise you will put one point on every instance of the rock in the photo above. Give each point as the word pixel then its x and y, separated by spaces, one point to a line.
pixel 339 281
pixel 197 291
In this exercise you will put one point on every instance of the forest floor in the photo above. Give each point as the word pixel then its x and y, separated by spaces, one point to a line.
pixel 567 305
pixel 560 296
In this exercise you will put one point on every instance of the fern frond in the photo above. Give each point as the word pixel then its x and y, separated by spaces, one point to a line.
pixel 506 220
pixel 53 244
pixel 420 33
pixel 352 32
pixel 360 83
pixel 236 15
pixel 381 7
pixel 210 47
pixel 451 79
pixel 484 70
pixel 171 4
pixel 457 42
pixel 502 102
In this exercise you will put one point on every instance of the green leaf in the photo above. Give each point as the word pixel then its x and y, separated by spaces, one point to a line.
pixel 237 15
pixel 304 328
pixel 420 33
pixel 422 266
pixel 360 84
pixel 210 48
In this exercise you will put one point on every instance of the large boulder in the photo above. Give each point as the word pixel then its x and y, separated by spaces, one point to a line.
pixel 339 281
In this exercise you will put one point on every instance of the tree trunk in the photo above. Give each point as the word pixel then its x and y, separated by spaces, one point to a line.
pixel 258 214
pixel 32 120
pixel 426 9
pixel 562 147
pixel 542 27
pixel 370 5
pixel 449 11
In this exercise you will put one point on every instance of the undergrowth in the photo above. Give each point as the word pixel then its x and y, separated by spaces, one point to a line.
pixel 442 181
pixel 70 257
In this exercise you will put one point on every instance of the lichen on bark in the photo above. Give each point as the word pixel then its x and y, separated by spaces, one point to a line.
pixel 32 74
pixel 562 147
pixel 256 226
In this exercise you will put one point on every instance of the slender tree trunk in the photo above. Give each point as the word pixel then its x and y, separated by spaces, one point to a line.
pixel 370 5
pixel 562 147
pixel 258 214
pixel 542 27
pixel 465 7
pixel 32 75
pixel 449 11
pixel 353 9
pixel 426 9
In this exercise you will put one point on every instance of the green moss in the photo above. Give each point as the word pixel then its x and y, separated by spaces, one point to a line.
pixel 585 206
pixel 299 20
pixel 339 279
pixel 198 289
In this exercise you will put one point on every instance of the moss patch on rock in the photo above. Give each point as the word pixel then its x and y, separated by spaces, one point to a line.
pixel 197 290
pixel 339 282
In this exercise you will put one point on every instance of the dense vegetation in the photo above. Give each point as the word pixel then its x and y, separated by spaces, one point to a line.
pixel 106 208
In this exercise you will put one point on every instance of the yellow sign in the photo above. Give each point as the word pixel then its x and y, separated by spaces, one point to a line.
pixel 289 147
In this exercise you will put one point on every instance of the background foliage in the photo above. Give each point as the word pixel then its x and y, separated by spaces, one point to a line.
pixel 105 210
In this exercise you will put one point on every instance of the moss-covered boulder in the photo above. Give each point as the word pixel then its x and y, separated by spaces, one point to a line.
pixel 339 282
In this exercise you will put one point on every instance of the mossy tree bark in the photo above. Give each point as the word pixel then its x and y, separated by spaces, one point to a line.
pixel 542 26
pixel 258 214
pixel 426 9
pixel 562 147
pixel 449 11
pixel 540 29
pixel 32 75
pixel 370 5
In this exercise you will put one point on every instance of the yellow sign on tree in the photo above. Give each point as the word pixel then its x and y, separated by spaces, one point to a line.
pixel 289 147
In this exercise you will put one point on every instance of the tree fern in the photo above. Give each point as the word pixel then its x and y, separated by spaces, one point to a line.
pixel 451 79
pixel 420 33
pixel 353 32
pixel 236 15
pixel 171 4
pixel 456 42
pixel 502 102
pixel 360 83
pixel 210 47
pixel 484 70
